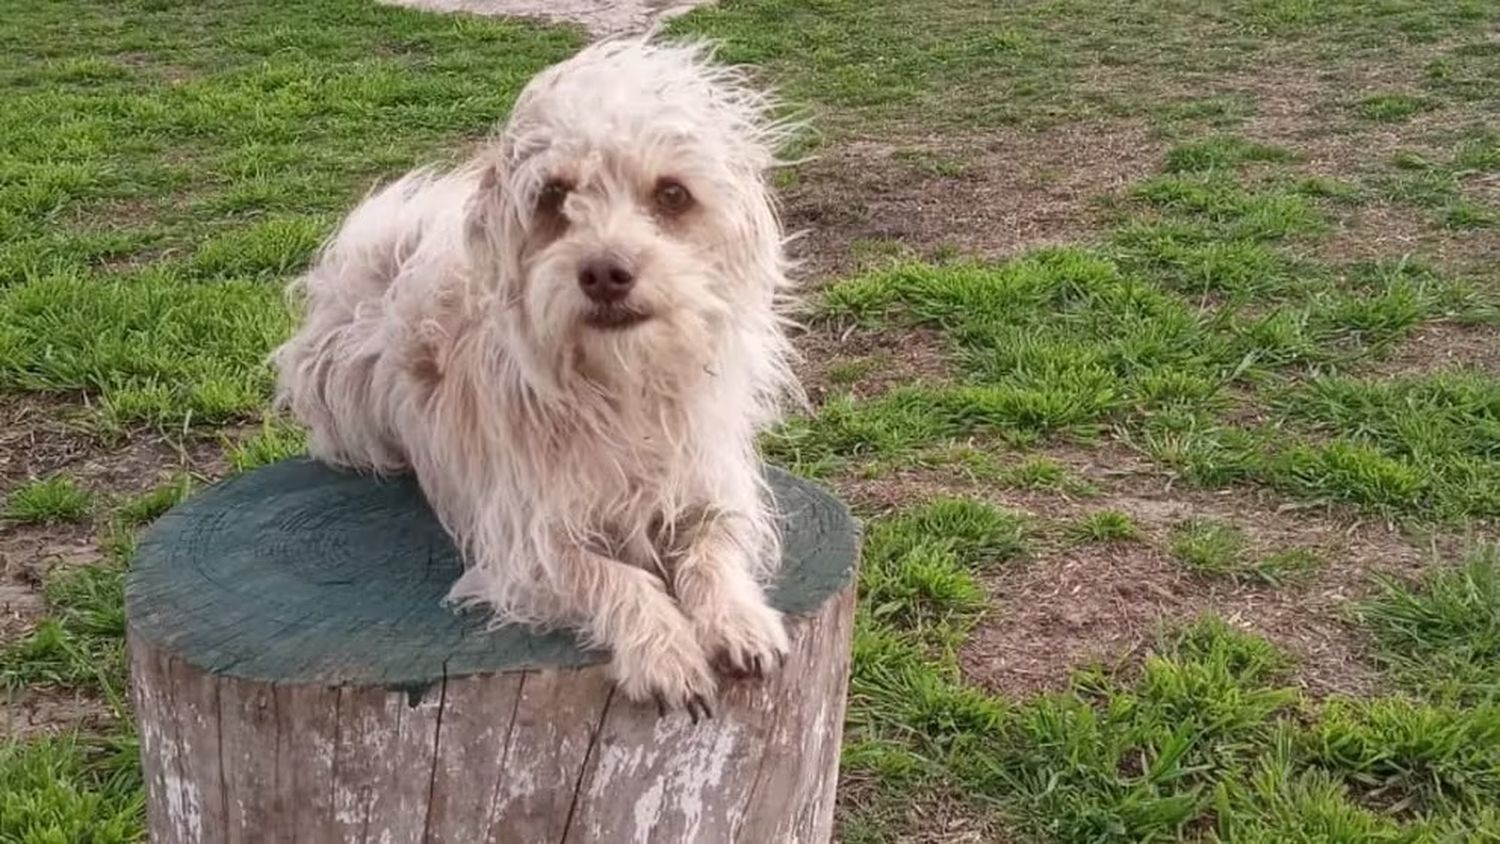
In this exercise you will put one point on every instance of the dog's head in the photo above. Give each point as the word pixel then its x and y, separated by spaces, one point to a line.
pixel 625 214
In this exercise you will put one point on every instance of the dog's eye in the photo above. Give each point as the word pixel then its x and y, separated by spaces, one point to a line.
pixel 550 200
pixel 672 197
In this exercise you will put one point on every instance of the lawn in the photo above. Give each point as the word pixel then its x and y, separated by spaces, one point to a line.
pixel 1156 344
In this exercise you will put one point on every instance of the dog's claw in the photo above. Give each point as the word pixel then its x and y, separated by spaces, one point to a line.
pixel 755 668
pixel 699 707
pixel 661 705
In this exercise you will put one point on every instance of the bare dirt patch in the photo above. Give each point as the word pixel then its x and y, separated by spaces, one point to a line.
pixel 1445 346
pixel 40 437
pixel 866 362
pixel 1311 113
pixel 27 554
pixel 939 817
pixel 1108 603
pixel 33 712
pixel 1075 604
pixel 987 197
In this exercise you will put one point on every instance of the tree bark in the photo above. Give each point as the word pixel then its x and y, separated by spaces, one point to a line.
pixel 297 679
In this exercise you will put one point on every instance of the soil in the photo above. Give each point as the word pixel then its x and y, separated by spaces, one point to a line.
pixel 1445 346
pixel 985 197
pixel 1072 604
pixel 883 359
pixel 50 711
pixel 40 437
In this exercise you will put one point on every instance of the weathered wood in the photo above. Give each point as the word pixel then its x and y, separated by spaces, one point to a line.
pixel 297 678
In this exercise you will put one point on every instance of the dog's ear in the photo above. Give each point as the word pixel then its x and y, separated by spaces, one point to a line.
pixel 484 207
pixel 485 225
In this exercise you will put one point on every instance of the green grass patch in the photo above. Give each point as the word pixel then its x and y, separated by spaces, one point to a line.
pixel 1104 526
pixel 1195 306
pixel 1209 546
pixel 165 169
pixel 919 567
pixel 1040 472
pixel 1409 758
pixel 1478 152
pixel 1441 636
pixel 1203 737
pixel 1438 186
pixel 1425 444
pixel 157 348
pixel 1232 211
pixel 147 507
pixel 1390 107
pixel 81 643
pixel 1468 215
pixel 277 440
pixel 1215 548
pixel 982 465
pixel 1222 152
pixel 1466 72
pixel 48 500
pixel 851 371
pixel 976 65
pixel 71 789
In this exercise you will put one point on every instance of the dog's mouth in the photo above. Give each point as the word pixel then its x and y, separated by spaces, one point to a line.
pixel 615 317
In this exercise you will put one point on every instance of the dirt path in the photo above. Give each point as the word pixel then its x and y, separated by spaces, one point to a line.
pixel 599 17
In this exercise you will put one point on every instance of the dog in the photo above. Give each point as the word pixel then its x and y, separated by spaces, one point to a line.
pixel 573 341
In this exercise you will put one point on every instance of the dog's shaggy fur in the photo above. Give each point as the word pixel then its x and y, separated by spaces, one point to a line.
pixel 594 455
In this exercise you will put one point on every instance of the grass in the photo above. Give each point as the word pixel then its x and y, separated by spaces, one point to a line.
pixel 275 441
pixel 80 645
pixel 1412 758
pixel 972 65
pixel 159 184
pixel 981 463
pixel 1439 186
pixel 70 788
pixel 1442 635
pixel 1222 152
pixel 49 500
pixel 1201 299
pixel 1390 107
pixel 147 507
pixel 1201 737
pixel 1419 443
pixel 164 169
pixel 919 568
pixel 847 372
pixel 1210 547
pixel 1104 526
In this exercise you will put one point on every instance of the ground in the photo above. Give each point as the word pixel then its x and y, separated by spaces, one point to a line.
pixel 1156 344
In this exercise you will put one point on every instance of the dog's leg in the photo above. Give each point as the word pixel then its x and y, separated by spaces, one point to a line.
pixel 714 586
pixel 656 650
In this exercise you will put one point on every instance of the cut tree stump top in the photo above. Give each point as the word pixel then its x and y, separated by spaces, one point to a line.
pixel 298 573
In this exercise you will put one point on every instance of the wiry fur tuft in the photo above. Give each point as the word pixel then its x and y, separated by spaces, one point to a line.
pixel 596 462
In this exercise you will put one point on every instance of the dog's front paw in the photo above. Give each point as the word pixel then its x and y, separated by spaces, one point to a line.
pixel 744 637
pixel 670 669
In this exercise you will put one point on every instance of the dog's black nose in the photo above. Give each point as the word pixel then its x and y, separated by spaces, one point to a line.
pixel 605 280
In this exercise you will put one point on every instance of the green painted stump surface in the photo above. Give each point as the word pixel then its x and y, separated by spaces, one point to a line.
pixel 298 573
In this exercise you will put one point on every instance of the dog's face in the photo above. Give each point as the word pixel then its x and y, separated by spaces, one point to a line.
pixel 631 222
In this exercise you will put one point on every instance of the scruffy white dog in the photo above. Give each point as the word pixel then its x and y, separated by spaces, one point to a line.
pixel 573 341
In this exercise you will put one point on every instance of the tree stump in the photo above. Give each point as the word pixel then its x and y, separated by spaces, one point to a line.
pixel 298 678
